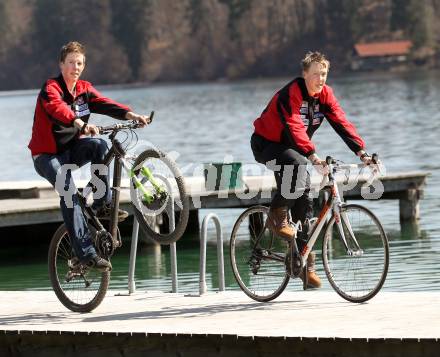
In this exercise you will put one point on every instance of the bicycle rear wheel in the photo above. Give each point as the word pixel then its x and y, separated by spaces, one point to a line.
pixel 257 256
pixel 78 287
pixel 358 276
pixel 168 188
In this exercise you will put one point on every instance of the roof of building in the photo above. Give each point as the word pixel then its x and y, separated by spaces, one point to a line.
pixel 376 49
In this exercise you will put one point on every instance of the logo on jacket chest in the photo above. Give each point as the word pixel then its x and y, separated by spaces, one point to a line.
pixel 80 107
pixel 318 117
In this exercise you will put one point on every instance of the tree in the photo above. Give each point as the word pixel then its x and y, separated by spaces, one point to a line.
pixel 419 23
pixel 237 8
pixel 130 28
pixel 399 14
pixel 88 21
pixel 3 28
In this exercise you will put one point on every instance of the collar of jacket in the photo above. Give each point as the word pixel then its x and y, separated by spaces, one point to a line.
pixel 80 87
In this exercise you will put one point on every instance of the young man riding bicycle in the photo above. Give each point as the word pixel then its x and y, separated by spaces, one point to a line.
pixel 60 136
pixel 282 139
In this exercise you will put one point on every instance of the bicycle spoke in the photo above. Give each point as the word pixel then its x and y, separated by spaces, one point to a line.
pixel 259 271
pixel 356 277
pixel 78 287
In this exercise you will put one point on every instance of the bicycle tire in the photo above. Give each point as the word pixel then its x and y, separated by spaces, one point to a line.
pixel 261 277
pixel 356 278
pixel 71 293
pixel 181 205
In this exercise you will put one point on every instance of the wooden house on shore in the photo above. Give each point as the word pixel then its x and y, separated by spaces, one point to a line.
pixel 380 55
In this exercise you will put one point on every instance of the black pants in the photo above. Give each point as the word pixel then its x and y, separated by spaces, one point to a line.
pixel 291 176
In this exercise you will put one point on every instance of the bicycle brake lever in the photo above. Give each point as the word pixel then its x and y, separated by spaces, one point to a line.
pixel 329 160
pixel 376 163
pixel 151 117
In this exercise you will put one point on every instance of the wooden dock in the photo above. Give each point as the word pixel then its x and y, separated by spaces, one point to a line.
pixel 35 202
pixel 311 323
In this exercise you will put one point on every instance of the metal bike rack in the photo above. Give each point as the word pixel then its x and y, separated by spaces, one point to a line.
pixel 134 241
pixel 220 259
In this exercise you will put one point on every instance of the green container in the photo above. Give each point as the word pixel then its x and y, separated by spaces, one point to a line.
pixel 222 176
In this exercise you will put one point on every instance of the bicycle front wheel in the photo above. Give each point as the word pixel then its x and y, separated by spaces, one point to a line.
pixel 356 274
pixel 78 287
pixel 257 256
pixel 160 201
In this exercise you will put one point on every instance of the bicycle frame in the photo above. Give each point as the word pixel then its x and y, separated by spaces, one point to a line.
pixel 119 155
pixel 115 187
pixel 333 198
pixel 335 203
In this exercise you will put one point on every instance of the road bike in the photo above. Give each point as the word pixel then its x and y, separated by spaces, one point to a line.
pixel 157 193
pixel 355 250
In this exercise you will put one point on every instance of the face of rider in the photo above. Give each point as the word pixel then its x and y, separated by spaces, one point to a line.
pixel 315 77
pixel 72 67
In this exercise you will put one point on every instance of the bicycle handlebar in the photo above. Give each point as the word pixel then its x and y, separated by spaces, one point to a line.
pixel 331 161
pixel 350 166
pixel 131 125
pixel 338 166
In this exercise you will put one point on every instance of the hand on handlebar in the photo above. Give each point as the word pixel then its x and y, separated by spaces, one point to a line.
pixel 90 129
pixel 372 161
pixel 141 119
pixel 319 165
pixel 134 121
pixel 367 160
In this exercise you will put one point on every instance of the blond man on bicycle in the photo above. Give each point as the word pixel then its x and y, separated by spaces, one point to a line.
pixel 282 138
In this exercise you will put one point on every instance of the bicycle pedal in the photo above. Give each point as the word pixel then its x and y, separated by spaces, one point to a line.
pixel 296 260
pixel 305 277
pixel 293 266
pixel 296 265
pixel 70 275
pixel 74 264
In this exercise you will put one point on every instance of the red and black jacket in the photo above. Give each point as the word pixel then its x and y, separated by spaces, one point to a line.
pixel 56 109
pixel 292 116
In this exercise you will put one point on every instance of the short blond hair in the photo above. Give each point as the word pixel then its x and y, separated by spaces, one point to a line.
pixel 317 57
pixel 70 47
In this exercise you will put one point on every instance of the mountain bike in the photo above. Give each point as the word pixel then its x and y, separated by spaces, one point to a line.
pixel 355 249
pixel 157 193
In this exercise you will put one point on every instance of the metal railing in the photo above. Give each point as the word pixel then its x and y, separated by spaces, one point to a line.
pixel 173 254
pixel 134 242
pixel 220 259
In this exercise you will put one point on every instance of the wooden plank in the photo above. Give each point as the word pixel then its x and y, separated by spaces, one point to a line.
pixel 257 190
pixel 388 315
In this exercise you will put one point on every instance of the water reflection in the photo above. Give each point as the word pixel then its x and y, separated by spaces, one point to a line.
pixel 413 267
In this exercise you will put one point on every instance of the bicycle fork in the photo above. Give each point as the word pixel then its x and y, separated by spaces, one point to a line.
pixel 341 219
pixel 147 196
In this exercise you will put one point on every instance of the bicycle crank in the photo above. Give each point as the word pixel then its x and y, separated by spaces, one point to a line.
pixel 294 261
pixel 104 244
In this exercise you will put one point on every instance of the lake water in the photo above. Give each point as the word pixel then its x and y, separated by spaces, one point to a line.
pixel 397 115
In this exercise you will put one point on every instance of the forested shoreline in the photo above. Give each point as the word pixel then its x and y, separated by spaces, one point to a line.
pixel 198 40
